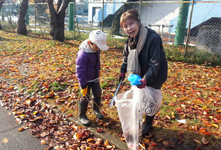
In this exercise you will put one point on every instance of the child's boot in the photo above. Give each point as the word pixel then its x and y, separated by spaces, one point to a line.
pixel 96 108
pixel 82 114
pixel 148 125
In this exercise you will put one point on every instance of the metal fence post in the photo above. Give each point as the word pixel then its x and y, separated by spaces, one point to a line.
pixel 35 16
pixel 188 31
pixel 27 16
pixel 103 16
pixel 2 13
pixel 181 24
pixel 70 16
pixel 139 7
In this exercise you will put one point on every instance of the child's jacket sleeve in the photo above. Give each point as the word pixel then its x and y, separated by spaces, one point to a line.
pixel 81 69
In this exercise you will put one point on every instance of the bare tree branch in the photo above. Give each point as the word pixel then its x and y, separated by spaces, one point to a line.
pixel 59 4
pixel 63 7
pixel 51 7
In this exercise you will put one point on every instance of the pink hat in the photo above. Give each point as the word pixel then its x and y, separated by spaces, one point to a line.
pixel 99 38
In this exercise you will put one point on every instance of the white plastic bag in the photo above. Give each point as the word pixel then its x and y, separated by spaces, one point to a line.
pixel 130 106
pixel 130 113
pixel 151 100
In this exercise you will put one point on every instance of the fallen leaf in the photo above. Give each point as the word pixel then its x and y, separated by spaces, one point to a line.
pixel 5 140
pixel 21 129
pixel 215 125
pixel 90 140
pixel 78 135
pixel 70 115
pixel 205 141
pixel 160 140
pixel 100 130
pixel 197 141
pixel 146 141
pixel 202 130
pixel 106 143
pixel 43 142
pixel 153 144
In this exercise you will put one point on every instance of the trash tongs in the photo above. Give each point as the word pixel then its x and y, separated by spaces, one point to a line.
pixel 113 99
pixel 87 98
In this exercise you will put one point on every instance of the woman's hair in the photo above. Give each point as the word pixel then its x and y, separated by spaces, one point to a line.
pixel 129 14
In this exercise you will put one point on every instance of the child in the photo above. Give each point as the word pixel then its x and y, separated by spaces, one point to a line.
pixel 88 71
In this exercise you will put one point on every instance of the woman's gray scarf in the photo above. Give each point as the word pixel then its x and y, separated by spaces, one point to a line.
pixel 133 65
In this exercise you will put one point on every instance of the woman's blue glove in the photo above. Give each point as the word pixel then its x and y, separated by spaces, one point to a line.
pixel 134 79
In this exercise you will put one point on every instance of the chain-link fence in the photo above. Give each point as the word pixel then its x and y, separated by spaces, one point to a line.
pixel 197 23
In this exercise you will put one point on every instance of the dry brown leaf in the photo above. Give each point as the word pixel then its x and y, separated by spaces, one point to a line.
pixel 197 141
pixel 205 141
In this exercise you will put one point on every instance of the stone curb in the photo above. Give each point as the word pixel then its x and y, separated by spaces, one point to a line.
pixel 93 129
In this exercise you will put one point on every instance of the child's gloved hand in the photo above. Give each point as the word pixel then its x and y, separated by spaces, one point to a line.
pixel 84 91
pixel 143 84
pixel 122 76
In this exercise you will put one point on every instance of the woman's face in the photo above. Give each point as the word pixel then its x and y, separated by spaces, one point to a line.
pixel 131 27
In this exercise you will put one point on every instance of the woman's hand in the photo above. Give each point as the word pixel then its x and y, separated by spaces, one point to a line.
pixel 143 84
pixel 121 76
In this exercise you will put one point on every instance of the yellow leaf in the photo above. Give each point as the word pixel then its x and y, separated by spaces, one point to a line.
pixel 106 143
pixel 5 140
pixel 146 141
pixel 90 140
pixel 215 125
pixel 22 116
pixel 204 107
pixel 35 112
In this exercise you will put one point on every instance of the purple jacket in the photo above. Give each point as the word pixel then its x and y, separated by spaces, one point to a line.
pixel 87 64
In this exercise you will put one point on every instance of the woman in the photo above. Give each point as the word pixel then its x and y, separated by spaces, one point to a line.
pixel 143 55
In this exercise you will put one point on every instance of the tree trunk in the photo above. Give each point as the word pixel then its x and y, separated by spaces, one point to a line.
pixel 21 20
pixel 115 27
pixel 57 19
pixel 57 27
pixel 1 4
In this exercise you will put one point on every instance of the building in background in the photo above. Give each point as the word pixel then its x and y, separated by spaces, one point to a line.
pixel 95 10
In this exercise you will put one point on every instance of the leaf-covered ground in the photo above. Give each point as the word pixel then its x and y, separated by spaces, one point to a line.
pixel 45 73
